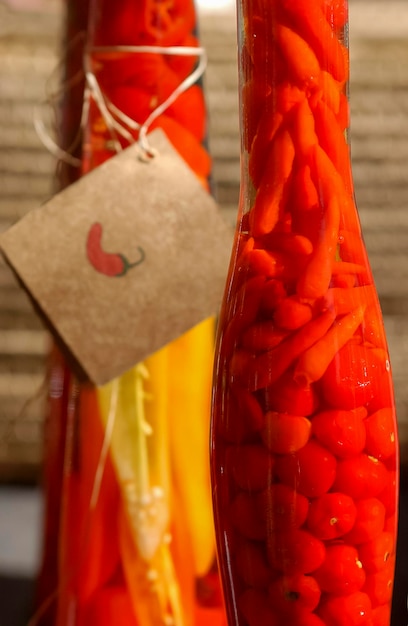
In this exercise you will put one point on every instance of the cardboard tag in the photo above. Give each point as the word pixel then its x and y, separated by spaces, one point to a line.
pixel 125 260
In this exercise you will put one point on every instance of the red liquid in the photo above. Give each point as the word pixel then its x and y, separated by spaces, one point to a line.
pixel 304 435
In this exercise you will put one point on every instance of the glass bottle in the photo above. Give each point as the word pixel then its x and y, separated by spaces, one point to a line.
pixel 127 466
pixel 304 449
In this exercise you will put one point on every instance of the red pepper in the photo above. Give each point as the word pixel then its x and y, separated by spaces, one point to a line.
pixel 107 263
pixel 285 507
pixel 379 585
pixel 295 551
pixel 332 515
pixel 311 470
pixel 354 608
pixel 370 520
pixel 361 476
pixel 164 23
pixel 341 432
pixel 376 554
pixel 292 594
pixel 252 564
pixel 251 466
pixel 341 571
pixel 355 377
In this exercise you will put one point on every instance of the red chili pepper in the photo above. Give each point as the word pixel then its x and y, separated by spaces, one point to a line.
pixel 355 376
pixel 387 496
pixel 287 396
pixel 354 608
pixel 291 595
pixel 381 615
pixel 342 571
pixel 252 565
pixel 283 507
pixel 251 466
pixel 377 553
pixel 307 619
pixel 370 519
pixel 361 476
pixel 331 516
pixel 295 551
pixel 379 585
pixel 283 433
pixel 381 435
pixel 311 470
pixel 342 432
pixel 107 263
pixel 245 517
pixel 164 23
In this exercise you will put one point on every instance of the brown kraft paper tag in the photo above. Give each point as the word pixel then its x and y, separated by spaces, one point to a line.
pixel 125 260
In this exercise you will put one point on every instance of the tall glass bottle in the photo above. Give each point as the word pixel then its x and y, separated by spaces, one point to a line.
pixel 304 436
pixel 129 530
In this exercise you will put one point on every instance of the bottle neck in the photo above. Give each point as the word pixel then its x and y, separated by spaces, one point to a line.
pixel 293 77
pixel 291 50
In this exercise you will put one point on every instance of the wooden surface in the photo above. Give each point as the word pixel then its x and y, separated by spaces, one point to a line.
pixel 29 45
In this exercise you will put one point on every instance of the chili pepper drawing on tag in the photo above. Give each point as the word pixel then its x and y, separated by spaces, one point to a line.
pixel 107 263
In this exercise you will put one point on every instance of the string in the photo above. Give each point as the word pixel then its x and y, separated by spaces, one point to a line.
pixel 52 147
pixel 117 122
pixel 143 128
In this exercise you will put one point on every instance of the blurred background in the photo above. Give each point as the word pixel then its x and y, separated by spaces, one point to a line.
pixel 30 45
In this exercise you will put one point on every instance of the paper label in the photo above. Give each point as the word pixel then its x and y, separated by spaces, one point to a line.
pixel 124 260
